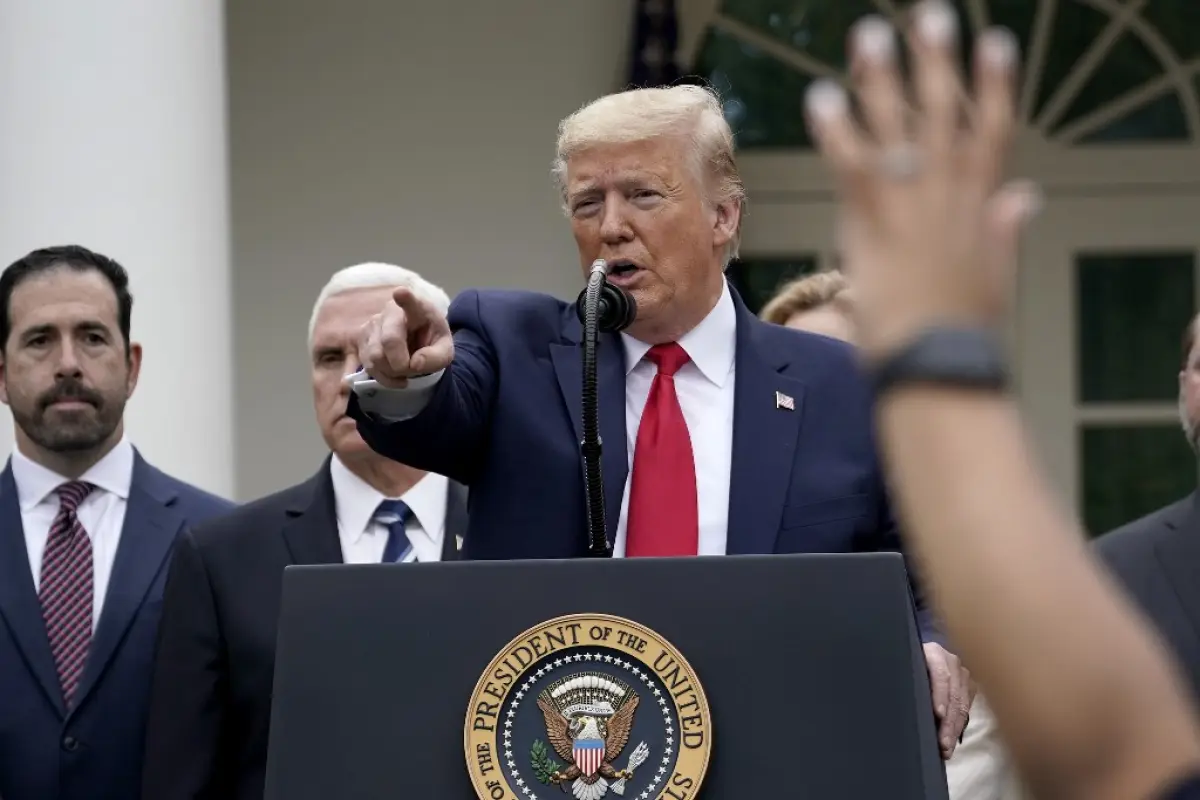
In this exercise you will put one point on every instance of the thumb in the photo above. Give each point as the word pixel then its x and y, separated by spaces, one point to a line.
pixel 433 356
pixel 1008 215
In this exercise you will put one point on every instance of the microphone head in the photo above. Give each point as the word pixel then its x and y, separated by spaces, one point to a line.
pixel 615 311
pixel 618 309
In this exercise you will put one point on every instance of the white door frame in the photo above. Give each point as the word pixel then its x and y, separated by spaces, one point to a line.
pixel 1047 315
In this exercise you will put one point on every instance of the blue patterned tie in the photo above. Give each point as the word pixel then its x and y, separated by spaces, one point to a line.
pixel 394 514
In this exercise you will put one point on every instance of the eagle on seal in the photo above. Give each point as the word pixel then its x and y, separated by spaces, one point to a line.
pixel 568 734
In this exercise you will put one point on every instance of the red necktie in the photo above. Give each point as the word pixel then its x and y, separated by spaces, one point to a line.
pixel 66 588
pixel 663 519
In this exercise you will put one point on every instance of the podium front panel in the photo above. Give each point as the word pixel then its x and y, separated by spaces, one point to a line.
pixel 811 666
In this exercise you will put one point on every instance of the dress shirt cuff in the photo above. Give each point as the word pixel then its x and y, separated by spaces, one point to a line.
pixel 394 405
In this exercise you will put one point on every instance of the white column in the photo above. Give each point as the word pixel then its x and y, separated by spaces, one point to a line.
pixel 113 136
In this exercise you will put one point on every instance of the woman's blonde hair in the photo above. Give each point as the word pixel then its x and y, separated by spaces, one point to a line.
pixel 805 294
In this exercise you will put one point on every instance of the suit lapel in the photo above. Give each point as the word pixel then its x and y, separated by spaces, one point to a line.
pixel 765 432
pixel 610 386
pixel 147 536
pixel 311 532
pixel 1179 554
pixel 19 604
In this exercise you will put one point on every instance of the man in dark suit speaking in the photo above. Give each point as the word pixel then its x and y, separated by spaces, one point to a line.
pixel 210 706
pixel 740 437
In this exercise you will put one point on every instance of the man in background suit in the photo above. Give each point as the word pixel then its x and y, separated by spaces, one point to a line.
pixel 85 528
pixel 739 436
pixel 1157 557
pixel 211 706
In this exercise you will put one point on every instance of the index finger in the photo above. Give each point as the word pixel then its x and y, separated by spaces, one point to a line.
pixel 414 307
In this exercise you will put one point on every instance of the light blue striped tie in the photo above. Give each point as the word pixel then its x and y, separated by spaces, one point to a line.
pixel 394 514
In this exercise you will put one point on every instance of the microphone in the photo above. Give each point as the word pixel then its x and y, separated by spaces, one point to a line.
pixel 615 309
pixel 602 307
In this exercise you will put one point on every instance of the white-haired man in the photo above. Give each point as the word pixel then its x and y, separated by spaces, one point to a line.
pixel 211 698
pixel 741 437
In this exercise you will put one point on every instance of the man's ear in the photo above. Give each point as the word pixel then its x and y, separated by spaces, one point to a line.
pixel 135 368
pixel 726 219
pixel 3 380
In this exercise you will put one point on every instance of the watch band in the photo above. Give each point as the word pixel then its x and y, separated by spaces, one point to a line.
pixel 967 358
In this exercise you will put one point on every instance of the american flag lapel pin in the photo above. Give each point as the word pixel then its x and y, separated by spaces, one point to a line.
pixel 784 401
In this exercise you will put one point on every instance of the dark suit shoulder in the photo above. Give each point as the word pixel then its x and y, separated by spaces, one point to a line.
pixel 195 503
pixel 203 505
pixel 1139 536
pixel 830 366
pixel 514 312
pixel 806 344
pixel 250 519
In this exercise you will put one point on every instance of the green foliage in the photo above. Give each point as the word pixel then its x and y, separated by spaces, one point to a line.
pixel 543 765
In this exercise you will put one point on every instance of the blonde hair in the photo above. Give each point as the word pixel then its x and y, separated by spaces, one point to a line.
pixel 375 275
pixel 805 294
pixel 691 112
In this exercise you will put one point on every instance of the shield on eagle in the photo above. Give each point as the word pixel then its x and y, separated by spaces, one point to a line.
pixel 589 755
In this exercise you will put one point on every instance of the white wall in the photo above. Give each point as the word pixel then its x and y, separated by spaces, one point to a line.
pixel 121 146
pixel 418 133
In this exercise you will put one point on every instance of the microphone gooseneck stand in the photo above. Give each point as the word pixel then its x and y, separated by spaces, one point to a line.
pixel 602 307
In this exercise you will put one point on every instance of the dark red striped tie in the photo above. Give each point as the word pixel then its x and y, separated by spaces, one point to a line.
pixel 663 513
pixel 66 589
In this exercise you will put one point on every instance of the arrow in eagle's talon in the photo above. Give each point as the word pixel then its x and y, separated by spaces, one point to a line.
pixel 639 754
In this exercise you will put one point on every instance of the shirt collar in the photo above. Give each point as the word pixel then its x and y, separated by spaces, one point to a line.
pixel 356 501
pixel 113 474
pixel 710 345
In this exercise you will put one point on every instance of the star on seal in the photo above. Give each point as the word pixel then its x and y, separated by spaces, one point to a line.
pixel 558 708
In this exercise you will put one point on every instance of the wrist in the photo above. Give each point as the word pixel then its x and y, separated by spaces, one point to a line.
pixel 961 357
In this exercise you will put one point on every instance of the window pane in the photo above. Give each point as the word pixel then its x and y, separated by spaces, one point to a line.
pixel 758 279
pixel 1130 471
pixel 1177 21
pixel 764 93
pixel 1160 120
pixel 1127 66
pixel 1131 310
pixel 763 97
pixel 1076 26
pixel 817 28
pixel 1017 16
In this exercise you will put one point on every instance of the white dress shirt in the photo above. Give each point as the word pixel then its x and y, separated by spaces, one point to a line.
pixel 363 539
pixel 981 768
pixel 102 513
pixel 705 389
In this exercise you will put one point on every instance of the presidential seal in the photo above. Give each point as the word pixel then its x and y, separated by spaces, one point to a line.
pixel 591 706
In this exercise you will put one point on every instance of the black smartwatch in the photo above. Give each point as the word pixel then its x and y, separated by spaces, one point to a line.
pixel 965 358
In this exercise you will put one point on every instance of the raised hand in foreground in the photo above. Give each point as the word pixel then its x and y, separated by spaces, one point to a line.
pixel 1086 696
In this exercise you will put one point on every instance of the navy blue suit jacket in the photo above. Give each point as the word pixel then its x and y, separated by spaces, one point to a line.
pixel 93 751
pixel 505 420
